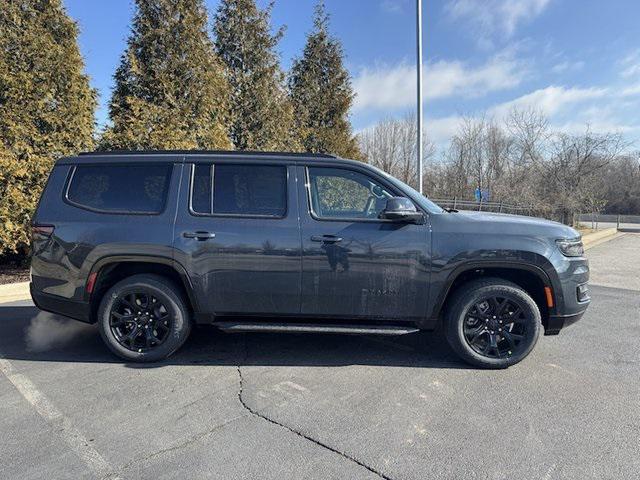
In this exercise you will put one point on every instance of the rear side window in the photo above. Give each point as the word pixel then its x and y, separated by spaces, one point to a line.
pixel 120 188
pixel 253 190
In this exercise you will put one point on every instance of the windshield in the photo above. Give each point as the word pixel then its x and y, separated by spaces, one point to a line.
pixel 412 193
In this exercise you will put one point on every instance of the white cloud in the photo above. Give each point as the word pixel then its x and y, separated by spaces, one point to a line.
pixel 388 87
pixel 567 66
pixel 550 100
pixel 631 65
pixel 392 6
pixel 598 126
pixel 492 17
pixel 630 91
pixel 440 130
pixel 569 109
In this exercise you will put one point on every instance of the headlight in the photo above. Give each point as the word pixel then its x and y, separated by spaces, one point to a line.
pixel 571 247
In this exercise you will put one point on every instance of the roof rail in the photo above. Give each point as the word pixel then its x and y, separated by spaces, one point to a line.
pixel 209 152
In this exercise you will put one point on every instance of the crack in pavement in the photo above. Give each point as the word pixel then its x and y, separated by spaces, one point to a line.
pixel 254 412
pixel 179 446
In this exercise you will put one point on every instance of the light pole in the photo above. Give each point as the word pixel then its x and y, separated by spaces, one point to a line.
pixel 419 90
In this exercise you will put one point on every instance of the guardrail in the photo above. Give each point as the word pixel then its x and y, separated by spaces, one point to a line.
pixel 482 206
pixel 594 221
pixel 599 221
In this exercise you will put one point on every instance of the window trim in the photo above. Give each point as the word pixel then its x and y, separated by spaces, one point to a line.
pixel 71 175
pixel 318 218
pixel 238 215
pixel 191 185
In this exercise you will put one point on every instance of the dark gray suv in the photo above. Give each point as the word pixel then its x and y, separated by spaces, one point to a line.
pixel 147 244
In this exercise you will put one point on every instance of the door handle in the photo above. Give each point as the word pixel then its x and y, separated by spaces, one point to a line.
pixel 326 238
pixel 199 235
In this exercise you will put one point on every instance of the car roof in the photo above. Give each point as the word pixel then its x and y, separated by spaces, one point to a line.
pixel 180 156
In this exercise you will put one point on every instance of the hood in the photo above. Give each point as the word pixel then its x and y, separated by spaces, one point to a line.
pixel 503 222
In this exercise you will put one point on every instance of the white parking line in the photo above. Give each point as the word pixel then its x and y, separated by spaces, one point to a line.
pixel 48 411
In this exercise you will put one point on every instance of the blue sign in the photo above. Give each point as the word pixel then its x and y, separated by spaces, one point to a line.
pixel 481 195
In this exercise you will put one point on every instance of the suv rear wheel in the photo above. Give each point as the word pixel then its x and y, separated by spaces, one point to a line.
pixel 143 319
pixel 492 323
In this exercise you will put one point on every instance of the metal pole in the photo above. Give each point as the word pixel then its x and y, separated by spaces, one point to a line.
pixel 419 90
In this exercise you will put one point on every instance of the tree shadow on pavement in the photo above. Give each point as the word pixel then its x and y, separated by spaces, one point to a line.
pixel 209 346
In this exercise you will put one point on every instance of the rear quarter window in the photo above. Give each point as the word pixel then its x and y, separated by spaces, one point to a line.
pixel 120 188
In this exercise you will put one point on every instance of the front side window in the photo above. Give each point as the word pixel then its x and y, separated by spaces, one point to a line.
pixel 253 190
pixel 120 188
pixel 338 193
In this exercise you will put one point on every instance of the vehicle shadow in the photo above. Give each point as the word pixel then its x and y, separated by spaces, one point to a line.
pixel 28 334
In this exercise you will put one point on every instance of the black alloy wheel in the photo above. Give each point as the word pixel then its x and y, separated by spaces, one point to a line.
pixel 144 318
pixel 139 321
pixel 492 323
pixel 495 327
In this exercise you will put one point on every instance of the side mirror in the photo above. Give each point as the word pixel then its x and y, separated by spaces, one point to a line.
pixel 400 209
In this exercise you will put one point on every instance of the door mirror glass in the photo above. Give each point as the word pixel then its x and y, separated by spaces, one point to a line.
pixel 401 209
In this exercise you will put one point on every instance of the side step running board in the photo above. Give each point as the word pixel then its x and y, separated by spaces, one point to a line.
pixel 313 328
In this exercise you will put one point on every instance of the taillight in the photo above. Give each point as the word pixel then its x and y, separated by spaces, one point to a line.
pixel 44 230
pixel 91 282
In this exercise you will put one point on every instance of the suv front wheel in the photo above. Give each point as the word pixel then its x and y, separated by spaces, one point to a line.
pixel 492 323
pixel 143 319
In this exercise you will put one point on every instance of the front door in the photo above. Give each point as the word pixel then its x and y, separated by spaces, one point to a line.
pixel 237 234
pixel 355 264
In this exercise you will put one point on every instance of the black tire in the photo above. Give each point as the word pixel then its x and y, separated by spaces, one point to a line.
pixel 168 318
pixel 486 340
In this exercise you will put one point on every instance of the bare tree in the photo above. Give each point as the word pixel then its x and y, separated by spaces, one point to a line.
pixel 391 146
pixel 520 160
pixel 574 159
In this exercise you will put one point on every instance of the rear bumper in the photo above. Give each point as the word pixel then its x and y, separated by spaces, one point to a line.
pixel 61 306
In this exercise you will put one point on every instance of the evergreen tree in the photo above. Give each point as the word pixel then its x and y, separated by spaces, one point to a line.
pixel 46 107
pixel 262 116
pixel 170 90
pixel 321 92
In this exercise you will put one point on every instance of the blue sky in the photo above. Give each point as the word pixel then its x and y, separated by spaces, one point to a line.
pixel 576 60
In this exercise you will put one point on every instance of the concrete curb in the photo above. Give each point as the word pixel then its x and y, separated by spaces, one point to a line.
pixel 596 238
pixel 14 292
pixel 597 243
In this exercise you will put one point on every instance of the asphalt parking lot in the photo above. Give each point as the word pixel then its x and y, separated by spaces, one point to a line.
pixel 239 406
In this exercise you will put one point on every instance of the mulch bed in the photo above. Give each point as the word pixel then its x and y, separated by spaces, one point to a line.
pixel 13 271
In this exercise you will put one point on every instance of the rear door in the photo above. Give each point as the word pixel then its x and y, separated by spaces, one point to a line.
pixel 238 236
pixel 355 264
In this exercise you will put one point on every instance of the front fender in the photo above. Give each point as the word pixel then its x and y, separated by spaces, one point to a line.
pixel 444 278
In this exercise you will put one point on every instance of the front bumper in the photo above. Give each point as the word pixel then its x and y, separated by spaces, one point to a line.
pixel 555 323
pixel 572 297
